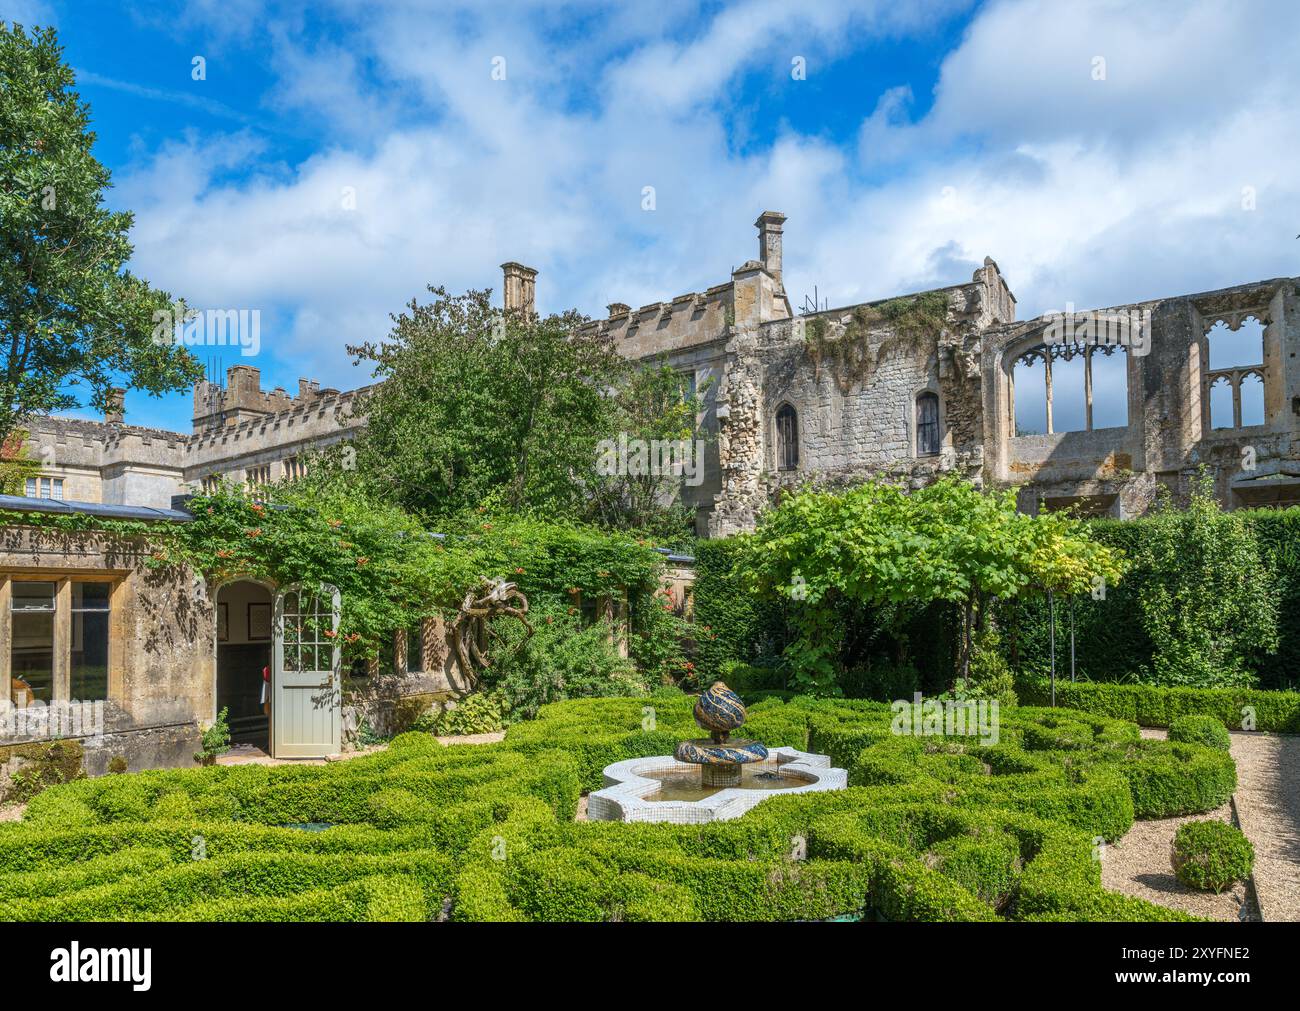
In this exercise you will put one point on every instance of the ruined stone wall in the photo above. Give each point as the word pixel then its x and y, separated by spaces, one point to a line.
pixel 856 412
pixel 1121 471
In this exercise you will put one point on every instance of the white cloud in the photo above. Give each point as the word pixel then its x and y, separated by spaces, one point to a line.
pixel 28 13
pixel 1096 192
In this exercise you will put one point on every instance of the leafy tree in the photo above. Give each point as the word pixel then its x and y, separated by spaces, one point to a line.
pixel 654 411
pixel 71 315
pixel 1206 604
pixel 15 465
pixel 878 546
pixel 485 410
pixel 480 407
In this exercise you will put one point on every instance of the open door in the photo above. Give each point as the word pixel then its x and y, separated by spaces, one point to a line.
pixel 306 698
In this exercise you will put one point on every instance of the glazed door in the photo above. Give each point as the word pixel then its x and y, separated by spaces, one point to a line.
pixel 306 699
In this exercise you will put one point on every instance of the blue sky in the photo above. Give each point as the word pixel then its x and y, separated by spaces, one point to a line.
pixel 921 138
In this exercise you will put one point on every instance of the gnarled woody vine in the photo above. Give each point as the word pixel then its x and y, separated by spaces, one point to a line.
pixel 473 624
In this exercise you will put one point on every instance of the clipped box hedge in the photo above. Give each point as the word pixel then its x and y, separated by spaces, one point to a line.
pixel 931 828
pixel 1154 706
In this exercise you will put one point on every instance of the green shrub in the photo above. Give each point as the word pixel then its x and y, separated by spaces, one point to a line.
pixel 933 828
pixel 562 659
pixel 1169 779
pixel 480 713
pixel 1205 730
pixel 1211 855
pixel 215 740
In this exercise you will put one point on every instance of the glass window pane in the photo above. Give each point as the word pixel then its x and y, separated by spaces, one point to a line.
pixel 89 678
pixel 90 596
pixel 37 596
pixel 33 657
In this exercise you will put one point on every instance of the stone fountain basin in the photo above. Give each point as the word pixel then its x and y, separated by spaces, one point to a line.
pixel 623 796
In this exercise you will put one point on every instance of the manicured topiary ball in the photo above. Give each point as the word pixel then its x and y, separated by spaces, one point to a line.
pixel 1199 730
pixel 1211 855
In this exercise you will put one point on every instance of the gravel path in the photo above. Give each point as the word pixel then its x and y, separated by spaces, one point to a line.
pixel 1267 809
pixel 1139 865
pixel 14 813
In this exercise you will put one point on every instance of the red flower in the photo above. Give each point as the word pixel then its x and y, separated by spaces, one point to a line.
pixel 255 532
pixel 487 526
pixel 330 633
pixel 363 560
pixel 518 571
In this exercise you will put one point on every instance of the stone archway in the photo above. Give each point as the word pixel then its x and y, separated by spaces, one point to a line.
pixel 244 614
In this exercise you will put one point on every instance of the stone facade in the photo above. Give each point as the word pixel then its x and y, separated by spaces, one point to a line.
pixel 240 433
pixel 860 378
pixel 854 384
pixel 160 671
pixel 168 668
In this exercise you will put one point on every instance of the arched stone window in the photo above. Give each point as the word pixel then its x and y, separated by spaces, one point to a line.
pixel 1069 387
pixel 927 424
pixel 787 438
pixel 1234 382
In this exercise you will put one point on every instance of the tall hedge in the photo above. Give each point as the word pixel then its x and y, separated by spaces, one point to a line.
pixel 1111 643
pixel 731 621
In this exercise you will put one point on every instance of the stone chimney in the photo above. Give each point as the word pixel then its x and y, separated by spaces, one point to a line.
pixel 115 406
pixel 520 288
pixel 769 241
pixel 618 309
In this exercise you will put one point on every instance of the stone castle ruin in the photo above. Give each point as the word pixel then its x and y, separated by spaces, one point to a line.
pixel 1095 410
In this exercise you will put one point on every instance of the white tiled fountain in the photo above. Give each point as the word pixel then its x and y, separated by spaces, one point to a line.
pixel 633 788
pixel 711 779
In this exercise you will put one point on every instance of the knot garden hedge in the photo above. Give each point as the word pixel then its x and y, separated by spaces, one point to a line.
pixel 930 828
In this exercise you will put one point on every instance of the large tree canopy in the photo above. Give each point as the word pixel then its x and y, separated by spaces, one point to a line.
pixel 73 320
pixel 876 544
pixel 484 409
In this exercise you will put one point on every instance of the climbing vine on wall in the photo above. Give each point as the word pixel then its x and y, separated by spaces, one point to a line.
pixel 390 570
pixel 911 319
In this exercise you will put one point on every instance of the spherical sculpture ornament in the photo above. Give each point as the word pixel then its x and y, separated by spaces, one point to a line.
pixel 719 710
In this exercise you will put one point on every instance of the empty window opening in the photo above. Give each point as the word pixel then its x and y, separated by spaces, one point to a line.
pixel 927 425
pixel 1230 349
pixel 1069 407
pixel 1251 390
pixel 1221 403
pixel 1030 384
pixel 1234 382
pixel 787 438
pixel 1070 388
pixel 1109 387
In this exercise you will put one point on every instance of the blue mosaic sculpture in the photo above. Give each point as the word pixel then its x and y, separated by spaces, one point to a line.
pixel 720 711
